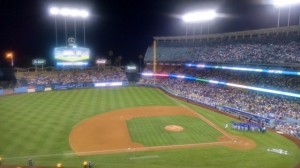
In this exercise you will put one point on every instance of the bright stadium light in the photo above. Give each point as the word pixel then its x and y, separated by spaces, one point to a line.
pixel 66 13
pixel 203 16
pixel 10 55
pixel 283 3
pixel 84 14
pixel 54 11
pixel 69 12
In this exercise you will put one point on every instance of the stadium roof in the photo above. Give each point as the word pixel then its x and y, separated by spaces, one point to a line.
pixel 250 33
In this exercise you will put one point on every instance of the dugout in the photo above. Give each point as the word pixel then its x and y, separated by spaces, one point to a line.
pixel 246 115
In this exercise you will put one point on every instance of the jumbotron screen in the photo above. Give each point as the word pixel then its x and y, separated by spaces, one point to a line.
pixel 71 54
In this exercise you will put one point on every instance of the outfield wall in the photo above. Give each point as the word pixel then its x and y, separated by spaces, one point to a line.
pixel 66 86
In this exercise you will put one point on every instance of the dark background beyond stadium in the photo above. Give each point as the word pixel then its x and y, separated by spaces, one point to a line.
pixel 126 27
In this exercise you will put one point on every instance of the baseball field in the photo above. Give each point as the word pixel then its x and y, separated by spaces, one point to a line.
pixel 129 127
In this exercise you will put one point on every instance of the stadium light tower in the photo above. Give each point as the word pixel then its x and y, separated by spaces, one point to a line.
pixel 196 17
pixel 10 55
pixel 284 3
pixel 199 17
pixel 69 13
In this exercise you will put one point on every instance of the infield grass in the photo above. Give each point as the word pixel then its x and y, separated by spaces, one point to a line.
pixel 38 125
pixel 150 131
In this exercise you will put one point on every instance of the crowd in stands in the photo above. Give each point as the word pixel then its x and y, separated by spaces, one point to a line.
pixel 271 81
pixel 268 49
pixel 70 76
pixel 288 128
pixel 265 80
pixel 279 108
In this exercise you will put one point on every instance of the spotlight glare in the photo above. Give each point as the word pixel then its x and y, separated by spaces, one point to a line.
pixel 283 3
pixel 74 12
pixel 65 11
pixel 54 11
pixel 84 14
pixel 69 12
pixel 199 16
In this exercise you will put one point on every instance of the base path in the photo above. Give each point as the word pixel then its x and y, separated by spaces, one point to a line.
pixel 108 132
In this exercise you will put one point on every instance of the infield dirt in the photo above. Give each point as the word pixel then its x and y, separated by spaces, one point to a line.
pixel 108 132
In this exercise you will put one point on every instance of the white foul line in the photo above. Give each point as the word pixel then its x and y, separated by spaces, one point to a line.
pixel 122 150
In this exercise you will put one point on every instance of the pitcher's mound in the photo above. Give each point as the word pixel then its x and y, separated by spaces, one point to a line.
pixel 174 128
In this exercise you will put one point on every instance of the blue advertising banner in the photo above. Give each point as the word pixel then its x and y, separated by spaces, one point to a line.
pixel 61 87
pixel 39 88
pixel 21 90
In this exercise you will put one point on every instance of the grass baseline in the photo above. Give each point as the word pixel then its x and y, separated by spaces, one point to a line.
pixel 123 150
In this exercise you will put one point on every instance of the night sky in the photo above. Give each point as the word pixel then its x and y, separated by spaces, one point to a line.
pixel 126 27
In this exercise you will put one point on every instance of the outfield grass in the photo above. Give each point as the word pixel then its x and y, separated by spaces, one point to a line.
pixel 40 123
pixel 150 131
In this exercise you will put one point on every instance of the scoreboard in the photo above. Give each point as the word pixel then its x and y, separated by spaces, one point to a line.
pixel 131 68
pixel 71 55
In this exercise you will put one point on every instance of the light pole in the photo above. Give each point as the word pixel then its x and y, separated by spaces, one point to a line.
pixel 186 29
pixel 66 32
pixel 278 19
pixel 289 16
pixel 83 33
pixel 284 3
pixel 69 13
pixel 11 56
pixel 208 31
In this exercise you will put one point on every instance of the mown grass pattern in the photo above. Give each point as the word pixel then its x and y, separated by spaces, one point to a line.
pixel 150 131
pixel 40 124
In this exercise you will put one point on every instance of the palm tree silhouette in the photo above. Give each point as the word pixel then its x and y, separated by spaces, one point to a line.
pixel 110 54
pixel 141 57
pixel 120 59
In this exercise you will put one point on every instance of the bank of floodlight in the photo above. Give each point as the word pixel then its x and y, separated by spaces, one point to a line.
pixel 284 3
pixel 69 12
pixel 54 11
pixel 201 16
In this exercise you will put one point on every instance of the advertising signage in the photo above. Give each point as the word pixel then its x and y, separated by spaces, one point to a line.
pixel 37 62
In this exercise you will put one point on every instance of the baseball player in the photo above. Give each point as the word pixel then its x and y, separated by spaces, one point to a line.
pixel 30 162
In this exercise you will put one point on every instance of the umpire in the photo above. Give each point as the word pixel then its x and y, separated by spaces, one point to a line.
pixel 90 164
pixel 30 162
